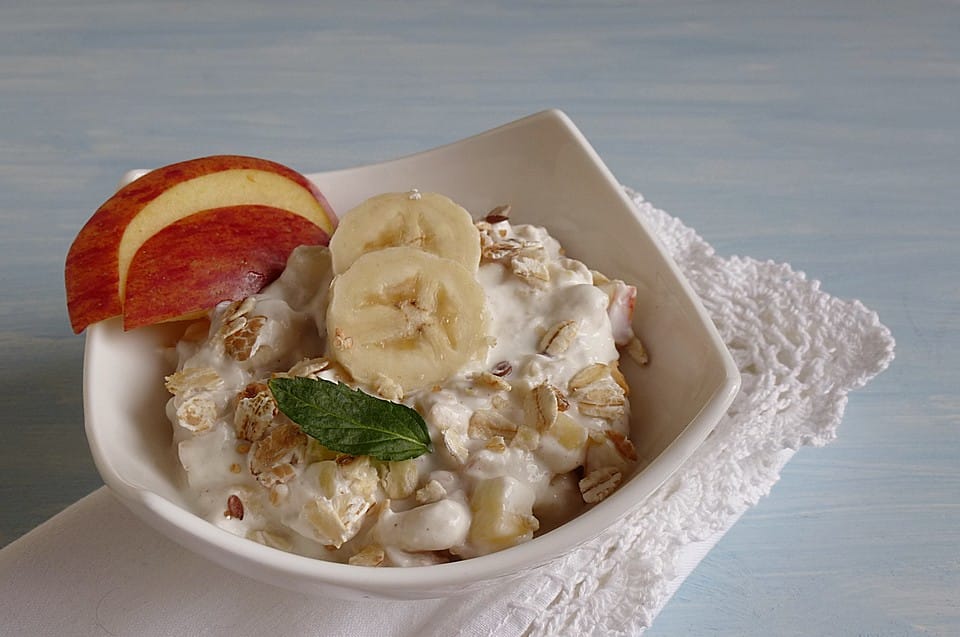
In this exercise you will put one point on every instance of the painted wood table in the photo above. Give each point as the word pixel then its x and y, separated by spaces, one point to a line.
pixel 826 135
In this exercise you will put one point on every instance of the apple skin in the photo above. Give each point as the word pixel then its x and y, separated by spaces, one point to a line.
pixel 222 254
pixel 92 272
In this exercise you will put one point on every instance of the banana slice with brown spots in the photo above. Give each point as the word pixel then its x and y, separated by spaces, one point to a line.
pixel 407 316
pixel 427 221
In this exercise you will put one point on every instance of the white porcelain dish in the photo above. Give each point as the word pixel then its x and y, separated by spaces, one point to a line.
pixel 544 167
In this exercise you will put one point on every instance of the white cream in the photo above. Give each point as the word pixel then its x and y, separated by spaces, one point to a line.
pixel 473 495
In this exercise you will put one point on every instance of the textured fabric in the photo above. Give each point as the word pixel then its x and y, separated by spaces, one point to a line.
pixel 799 350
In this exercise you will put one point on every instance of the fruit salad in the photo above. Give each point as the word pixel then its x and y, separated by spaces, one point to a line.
pixel 428 388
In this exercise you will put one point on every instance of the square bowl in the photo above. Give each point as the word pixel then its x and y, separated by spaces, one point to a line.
pixel 543 166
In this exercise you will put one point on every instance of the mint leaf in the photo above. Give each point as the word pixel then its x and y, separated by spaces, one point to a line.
pixel 350 421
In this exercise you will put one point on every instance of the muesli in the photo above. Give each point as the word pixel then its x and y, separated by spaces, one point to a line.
pixel 504 348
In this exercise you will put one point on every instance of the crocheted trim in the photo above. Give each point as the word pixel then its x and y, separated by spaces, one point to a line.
pixel 800 352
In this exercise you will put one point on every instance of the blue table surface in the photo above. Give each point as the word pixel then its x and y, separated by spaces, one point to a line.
pixel 824 134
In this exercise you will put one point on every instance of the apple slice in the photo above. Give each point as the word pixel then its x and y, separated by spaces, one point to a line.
pixel 223 254
pixel 99 258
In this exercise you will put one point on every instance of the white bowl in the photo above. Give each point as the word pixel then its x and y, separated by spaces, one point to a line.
pixel 546 169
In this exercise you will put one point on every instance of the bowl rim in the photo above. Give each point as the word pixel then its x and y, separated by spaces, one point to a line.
pixel 188 529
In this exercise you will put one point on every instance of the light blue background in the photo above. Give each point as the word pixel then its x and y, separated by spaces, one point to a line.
pixel 824 134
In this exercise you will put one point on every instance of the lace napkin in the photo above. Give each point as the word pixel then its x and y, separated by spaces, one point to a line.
pixel 800 351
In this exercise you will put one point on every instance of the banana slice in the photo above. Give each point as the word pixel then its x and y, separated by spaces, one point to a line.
pixel 406 316
pixel 428 221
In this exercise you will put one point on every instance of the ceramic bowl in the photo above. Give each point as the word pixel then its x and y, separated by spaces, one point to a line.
pixel 543 166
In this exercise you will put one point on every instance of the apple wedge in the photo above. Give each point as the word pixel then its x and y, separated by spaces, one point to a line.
pixel 223 254
pixel 98 261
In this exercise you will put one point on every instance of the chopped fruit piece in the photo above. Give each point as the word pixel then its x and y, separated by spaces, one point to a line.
pixel 97 264
pixel 224 254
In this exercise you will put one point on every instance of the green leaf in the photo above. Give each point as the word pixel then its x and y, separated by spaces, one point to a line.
pixel 350 421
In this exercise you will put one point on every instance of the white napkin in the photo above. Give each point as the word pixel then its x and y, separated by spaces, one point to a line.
pixel 94 569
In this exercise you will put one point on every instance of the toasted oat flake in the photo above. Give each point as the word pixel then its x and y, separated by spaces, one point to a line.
pixel 244 342
pixel 602 399
pixel 231 326
pixel 244 307
pixel 598 410
pixel 623 444
pixel 347 492
pixel 198 413
pixel 324 522
pixel 255 412
pixel 559 338
pixel 371 555
pixel 587 376
pixel 497 248
pixel 599 484
pixel 454 443
pixel 281 444
pixel 193 379
pixel 309 367
pixel 532 270
pixel 234 317
pixel 534 250
pixel 637 351
pixel 278 474
pixel 540 407
pixel 492 381
pixel 606 393
pixel 432 491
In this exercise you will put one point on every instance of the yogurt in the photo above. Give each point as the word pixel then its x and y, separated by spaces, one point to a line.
pixel 524 440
